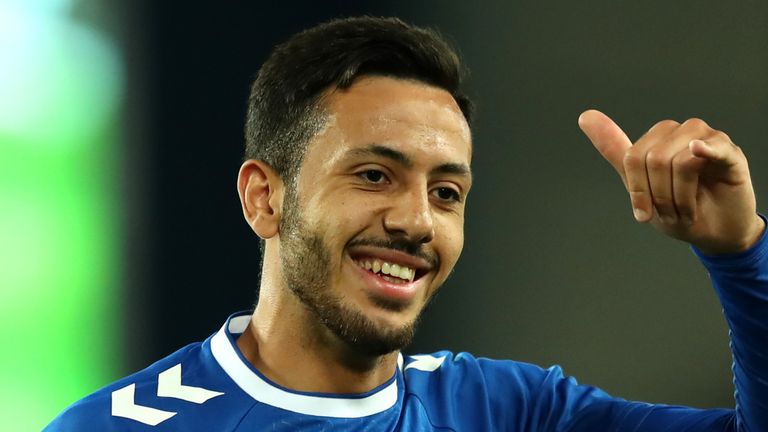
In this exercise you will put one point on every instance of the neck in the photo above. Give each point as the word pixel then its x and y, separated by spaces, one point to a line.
pixel 288 345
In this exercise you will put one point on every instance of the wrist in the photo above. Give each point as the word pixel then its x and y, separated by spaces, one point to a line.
pixel 748 240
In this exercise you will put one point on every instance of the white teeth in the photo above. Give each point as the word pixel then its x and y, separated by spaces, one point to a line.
pixel 398 272
pixel 405 273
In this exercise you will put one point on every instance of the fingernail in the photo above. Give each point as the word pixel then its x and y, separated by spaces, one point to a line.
pixel 640 214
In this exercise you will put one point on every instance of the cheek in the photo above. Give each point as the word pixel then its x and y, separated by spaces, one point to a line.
pixel 457 244
pixel 350 214
pixel 360 210
pixel 342 217
pixel 452 242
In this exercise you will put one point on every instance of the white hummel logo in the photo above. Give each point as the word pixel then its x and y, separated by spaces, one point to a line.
pixel 168 385
pixel 123 406
pixel 425 363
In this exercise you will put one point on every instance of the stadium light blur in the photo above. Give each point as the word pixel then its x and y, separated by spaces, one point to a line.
pixel 60 86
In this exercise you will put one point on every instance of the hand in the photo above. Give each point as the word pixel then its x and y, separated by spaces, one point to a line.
pixel 688 180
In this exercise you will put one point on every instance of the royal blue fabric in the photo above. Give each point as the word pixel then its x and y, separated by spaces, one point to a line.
pixel 465 393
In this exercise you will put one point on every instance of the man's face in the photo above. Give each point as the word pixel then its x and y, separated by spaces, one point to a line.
pixel 375 225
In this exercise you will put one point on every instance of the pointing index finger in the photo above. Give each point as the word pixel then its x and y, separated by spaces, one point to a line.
pixel 607 137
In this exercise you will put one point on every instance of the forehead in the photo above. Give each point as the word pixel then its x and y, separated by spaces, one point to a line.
pixel 410 116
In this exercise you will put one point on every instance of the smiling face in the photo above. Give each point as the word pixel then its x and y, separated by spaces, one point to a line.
pixel 376 222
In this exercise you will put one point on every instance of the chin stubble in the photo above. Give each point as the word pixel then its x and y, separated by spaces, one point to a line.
pixel 306 264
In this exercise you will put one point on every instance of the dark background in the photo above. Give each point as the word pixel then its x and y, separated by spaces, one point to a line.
pixel 555 271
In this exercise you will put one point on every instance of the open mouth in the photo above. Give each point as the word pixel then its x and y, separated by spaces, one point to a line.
pixel 390 272
pixel 391 266
pixel 393 272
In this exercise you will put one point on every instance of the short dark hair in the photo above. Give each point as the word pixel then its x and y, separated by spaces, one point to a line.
pixel 284 109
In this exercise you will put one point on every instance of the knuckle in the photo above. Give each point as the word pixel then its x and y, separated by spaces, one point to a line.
pixel 721 136
pixel 695 124
pixel 665 124
pixel 633 159
pixel 656 160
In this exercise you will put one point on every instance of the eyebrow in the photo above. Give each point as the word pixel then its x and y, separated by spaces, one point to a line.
pixel 404 160
pixel 384 151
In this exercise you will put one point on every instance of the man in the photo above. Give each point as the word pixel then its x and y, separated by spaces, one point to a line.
pixel 357 170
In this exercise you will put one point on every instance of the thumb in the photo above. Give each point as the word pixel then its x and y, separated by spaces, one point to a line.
pixel 607 137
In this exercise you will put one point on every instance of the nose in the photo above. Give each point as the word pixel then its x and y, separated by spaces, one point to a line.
pixel 410 216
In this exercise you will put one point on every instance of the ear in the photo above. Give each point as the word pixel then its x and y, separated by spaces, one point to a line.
pixel 261 197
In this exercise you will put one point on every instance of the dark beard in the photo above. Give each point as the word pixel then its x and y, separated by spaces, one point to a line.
pixel 305 260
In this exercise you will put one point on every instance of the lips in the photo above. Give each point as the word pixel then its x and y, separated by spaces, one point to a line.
pixel 372 254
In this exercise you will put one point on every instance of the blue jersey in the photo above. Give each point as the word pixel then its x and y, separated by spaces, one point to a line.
pixel 210 386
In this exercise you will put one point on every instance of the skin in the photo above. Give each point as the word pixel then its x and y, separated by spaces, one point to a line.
pixel 388 166
pixel 688 180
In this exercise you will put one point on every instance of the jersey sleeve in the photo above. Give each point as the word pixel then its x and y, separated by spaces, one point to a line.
pixel 741 283
pixel 558 403
pixel 524 397
pixel 186 391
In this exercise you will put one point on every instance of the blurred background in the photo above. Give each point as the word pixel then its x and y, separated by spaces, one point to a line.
pixel 121 237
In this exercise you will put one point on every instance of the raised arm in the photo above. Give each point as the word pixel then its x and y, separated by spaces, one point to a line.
pixel 692 183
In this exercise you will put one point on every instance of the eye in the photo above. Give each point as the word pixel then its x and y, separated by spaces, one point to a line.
pixel 447 194
pixel 373 176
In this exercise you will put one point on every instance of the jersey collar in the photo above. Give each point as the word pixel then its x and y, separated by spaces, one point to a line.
pixel 251 381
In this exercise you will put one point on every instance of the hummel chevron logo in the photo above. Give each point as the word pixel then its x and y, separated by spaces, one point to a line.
pixel 168 385
pixel 123 406
pixel 425 363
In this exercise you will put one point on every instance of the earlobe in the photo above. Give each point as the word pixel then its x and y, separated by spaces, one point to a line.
pixel 261 192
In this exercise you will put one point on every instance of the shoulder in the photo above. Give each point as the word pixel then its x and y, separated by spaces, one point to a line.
pixel 447 366
pixel 171 394
pixel 96 409
pixel 488 393
pixel 495 394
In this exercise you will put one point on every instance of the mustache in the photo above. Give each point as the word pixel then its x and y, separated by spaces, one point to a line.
pixel 400 244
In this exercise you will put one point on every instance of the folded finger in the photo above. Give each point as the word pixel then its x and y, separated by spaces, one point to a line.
pixel 685 182
pixel 637 185
pixel 639 173
pixel 658 163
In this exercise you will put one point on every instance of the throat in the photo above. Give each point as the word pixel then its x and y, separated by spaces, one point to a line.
pixel 313 360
